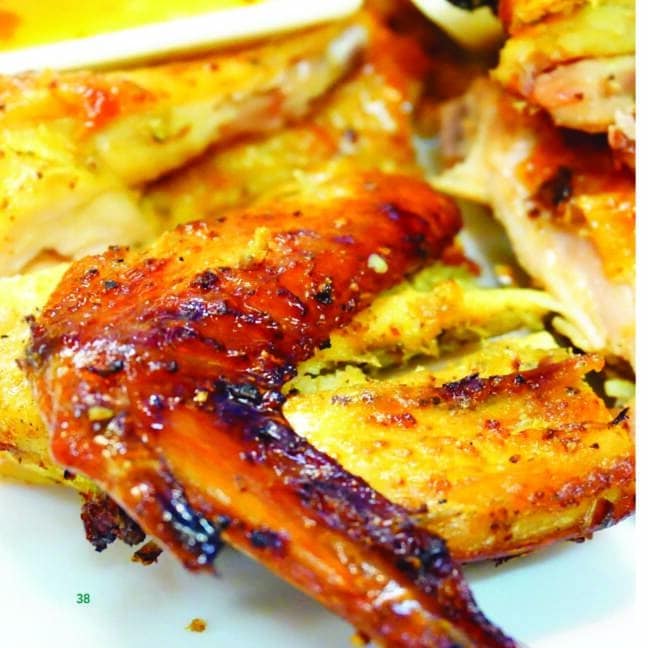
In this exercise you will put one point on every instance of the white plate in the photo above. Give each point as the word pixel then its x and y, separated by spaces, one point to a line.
pixel 477 30
pixel 565 597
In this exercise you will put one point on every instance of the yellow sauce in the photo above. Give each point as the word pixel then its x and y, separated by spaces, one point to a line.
pixel 24 23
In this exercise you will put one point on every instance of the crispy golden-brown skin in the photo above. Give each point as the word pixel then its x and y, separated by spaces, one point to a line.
pixel 354 126
pixel 24 443
pixel 496 465
pixel 515 14
pixel 564 33
pixel 77 146
pixel 416 318
pixel 436 312
pixel 568 207
pixel 158 373
pixel 365 122
pixel 575 59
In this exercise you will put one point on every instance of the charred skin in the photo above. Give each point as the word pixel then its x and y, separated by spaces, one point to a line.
pixel 105 521
pixel 159 376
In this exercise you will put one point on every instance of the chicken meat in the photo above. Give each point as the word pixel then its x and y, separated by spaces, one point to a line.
pixel 77 146
pixel 567 206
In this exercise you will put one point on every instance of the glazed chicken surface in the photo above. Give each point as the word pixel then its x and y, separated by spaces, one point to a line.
pixel 307 367
pixel 362 123
pixel 159 376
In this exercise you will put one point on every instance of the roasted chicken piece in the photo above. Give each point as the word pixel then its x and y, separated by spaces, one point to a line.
pixel 159 374
pixel 353 127
pixel 496 465
pixel 368 121
pixel 364 123
pixel 24 444
pixel 576 59
pixel 567 207
pixel 77 146
pixel 438 310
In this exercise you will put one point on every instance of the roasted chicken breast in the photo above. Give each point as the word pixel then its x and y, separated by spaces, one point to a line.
pixel 364 123
pixel 77 146
pixel 496 464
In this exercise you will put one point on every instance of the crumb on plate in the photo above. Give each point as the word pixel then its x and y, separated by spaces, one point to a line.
pixel 197 625
pixel 147 554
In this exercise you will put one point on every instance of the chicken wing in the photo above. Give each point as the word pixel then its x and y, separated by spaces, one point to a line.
pixel 483 504
pixel 159 373
pixel 438 310
pixel 76 146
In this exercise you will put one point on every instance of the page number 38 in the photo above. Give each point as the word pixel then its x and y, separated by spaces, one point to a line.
pixel 83 599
